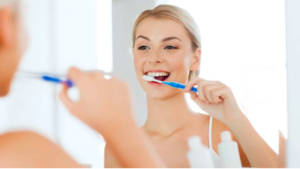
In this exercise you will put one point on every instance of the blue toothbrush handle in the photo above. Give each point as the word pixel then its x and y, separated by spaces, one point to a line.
pixel 179 86
pixel 69 83
pixel 194 89
pixel 57 80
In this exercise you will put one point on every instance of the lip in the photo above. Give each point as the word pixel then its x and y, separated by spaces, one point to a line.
pixel 154 83
pixel 145 73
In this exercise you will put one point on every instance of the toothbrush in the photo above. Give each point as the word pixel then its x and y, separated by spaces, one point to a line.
pixel 48 77
pixel 172 84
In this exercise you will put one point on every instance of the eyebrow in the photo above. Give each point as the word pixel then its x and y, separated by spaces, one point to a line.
pixel 143 37
pixel 170 38
pixel 164 40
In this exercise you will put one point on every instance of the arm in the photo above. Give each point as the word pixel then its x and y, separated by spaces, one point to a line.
pixel 27 149
pixel 257 150
pixel 243 156
pixel 218 101
pixel 110 160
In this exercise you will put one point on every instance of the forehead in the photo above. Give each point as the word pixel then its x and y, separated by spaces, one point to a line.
pixel 161 28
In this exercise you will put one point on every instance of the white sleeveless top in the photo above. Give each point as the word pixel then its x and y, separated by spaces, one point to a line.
pixel 214 155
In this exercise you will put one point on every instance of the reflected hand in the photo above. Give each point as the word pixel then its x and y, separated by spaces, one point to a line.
pixel 216 99
pixel 103 103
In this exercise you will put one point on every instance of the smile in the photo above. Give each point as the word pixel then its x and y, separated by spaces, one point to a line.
pixel 158 75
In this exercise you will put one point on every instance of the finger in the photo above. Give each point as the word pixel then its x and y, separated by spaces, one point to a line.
pixel 107 76
pixel 193 95
pixel 197 81
pixel 95 71
pixel 192 83
pixel 223 93
pixel 116 84
pixel 75 75
pixel 100 76
pixel 207 91
pixel 201 90
pixel 217 93
pixel 196 99
pixel 63 95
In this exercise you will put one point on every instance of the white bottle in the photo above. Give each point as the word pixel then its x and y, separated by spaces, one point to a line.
pixel 198 155
pixel 229 152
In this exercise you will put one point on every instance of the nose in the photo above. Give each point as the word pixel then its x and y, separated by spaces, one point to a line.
pixel 155 58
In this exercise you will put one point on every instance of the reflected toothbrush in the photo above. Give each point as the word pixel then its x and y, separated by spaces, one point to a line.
pixel 172 84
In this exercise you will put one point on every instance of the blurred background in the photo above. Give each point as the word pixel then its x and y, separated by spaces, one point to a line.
pixel 243 46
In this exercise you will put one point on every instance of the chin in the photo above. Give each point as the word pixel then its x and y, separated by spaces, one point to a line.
pixel 162 95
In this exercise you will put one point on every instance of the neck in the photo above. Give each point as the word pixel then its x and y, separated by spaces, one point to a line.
pixel 167 116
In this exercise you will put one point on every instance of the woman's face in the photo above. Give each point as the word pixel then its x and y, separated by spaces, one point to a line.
pixel 163 49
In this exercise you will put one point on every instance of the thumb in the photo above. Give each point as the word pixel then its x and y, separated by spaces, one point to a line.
pixel 75 75
pixel 196 99
pixel 63 96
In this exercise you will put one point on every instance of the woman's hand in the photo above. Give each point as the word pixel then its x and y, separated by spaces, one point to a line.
pixel 105 106
pixel 103 103
pixel 216 99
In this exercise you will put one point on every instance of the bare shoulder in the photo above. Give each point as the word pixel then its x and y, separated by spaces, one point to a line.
pixel 110 161
pixel 217 128
pixel 28 149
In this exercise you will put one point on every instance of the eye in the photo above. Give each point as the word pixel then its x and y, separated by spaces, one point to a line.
pixel 171 47
pixel 143 47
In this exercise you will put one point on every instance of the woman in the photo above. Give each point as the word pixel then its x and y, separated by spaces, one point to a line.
pixel 166 45
pixel 100 104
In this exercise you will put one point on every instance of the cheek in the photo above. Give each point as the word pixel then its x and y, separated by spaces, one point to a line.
pixel 138 63
pixel 180 65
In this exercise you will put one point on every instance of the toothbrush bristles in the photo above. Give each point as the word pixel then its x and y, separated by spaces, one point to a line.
pixel 151 78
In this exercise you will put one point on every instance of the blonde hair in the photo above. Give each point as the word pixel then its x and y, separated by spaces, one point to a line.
pixel 177 14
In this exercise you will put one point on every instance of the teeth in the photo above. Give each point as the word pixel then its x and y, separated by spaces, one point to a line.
pixel 157 74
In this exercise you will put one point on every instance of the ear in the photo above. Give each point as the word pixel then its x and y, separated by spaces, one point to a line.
pixel 195 61
pixel 6 28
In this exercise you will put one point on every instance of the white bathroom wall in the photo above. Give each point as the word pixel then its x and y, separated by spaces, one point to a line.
pixel 75 44
pixel 293 81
